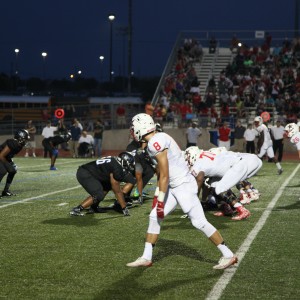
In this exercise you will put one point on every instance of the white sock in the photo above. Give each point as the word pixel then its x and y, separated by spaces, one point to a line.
pixel 278 165
pixel 226 252
pixel 148 250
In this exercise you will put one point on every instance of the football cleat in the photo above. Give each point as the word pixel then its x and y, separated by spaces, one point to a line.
pixel 76 212
pixel 226 262
pixel 280 171
pixel 244 198
pixel 53 168
pixel 7 194
pixel 140 262
pixel 243 213
pixel 252 196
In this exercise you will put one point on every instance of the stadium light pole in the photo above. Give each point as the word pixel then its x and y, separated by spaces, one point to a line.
pixel 16 66
pixel 44 55
pixel 111 19
pixel 101 57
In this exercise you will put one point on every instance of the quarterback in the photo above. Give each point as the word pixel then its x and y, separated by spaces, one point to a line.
pixel 175 186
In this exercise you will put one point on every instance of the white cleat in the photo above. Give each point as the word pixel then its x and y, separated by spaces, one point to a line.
pixel 140 262
pixel 226 262
pixel 253 196
pixel 244 199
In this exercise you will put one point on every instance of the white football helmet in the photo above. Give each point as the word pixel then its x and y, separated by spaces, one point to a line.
pixel 258 121
pixel 291 129
pixel 191 154
pixel 141 124
pixel 218 150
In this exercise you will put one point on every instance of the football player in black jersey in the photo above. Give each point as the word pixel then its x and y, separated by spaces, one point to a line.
pixel 8 150
pixel 51 145
pixel 144 168
pixel 103 175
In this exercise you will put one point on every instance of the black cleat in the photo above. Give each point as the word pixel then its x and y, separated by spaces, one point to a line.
pixel 7 194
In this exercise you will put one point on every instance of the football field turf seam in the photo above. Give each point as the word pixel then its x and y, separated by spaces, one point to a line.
pixel 39 196
pixel 225 279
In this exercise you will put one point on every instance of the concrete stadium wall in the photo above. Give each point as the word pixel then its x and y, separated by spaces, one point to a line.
pixel 118 139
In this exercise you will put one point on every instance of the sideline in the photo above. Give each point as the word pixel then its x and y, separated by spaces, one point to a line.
pixel 40 196
pixel 225 279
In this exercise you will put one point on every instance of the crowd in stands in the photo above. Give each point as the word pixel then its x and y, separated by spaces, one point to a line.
pixel 260 78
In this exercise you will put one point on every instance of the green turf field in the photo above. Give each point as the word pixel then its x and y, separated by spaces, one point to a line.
pixel 46 254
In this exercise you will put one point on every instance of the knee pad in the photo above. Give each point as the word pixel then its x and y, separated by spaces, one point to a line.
pixel 154 224
pixel 204 226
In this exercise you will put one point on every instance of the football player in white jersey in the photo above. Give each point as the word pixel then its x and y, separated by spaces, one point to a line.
pixel 293 133
pixel 176 185
pixel 231 167
pixel 265 143
pixel 247 191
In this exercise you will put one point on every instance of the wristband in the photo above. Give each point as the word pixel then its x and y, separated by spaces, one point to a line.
pixel 156 191
pixel 161 196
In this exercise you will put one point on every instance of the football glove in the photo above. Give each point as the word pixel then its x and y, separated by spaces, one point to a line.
pixel 160 209
pixel 125 212
pixel 141 201
pixel 154 202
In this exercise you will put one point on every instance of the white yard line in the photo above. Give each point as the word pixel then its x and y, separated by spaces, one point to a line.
pixel 225 279
pixel 40 196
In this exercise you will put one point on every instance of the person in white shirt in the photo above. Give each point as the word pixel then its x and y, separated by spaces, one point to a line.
pixel 85 144
pixel 293 133
pixel 278 135
pixel 192 134
pixel 265 143
pixel 249 136
pixel 176 186
pixel 48 132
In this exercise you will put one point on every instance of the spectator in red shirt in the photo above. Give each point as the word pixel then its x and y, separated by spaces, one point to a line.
pixel 121 119
pixel 224 133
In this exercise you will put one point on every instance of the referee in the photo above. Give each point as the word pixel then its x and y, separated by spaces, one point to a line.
pixel 278 134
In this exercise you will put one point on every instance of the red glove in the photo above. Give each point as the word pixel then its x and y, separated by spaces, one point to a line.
pixel 154 202
pixel 160 209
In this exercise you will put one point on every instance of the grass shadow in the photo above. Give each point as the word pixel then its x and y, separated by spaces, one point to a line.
pixel 130 287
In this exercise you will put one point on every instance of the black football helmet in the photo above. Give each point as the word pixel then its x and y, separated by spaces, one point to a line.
pixel 66 136
pixel 127 161
pixel 22 136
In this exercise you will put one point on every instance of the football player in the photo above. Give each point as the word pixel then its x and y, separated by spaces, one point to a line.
pixel 8 150
pixel 175 186
pixel 145 167
pixel 265 143
pixel 51 145
pixel 103 175
pixel 292 131
pixel 231 167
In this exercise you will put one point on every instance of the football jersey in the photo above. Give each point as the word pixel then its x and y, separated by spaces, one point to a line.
pixel 212 164
pixel 295 139
pixel 13 146
pixel 178 169
pixel 103 167
pixel 267 137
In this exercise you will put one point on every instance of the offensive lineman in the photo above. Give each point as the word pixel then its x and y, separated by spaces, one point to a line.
pixel 176 186
pixel 8 150
pixel 231 167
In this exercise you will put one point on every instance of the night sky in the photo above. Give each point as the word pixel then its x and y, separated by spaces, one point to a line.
pixel 75 33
